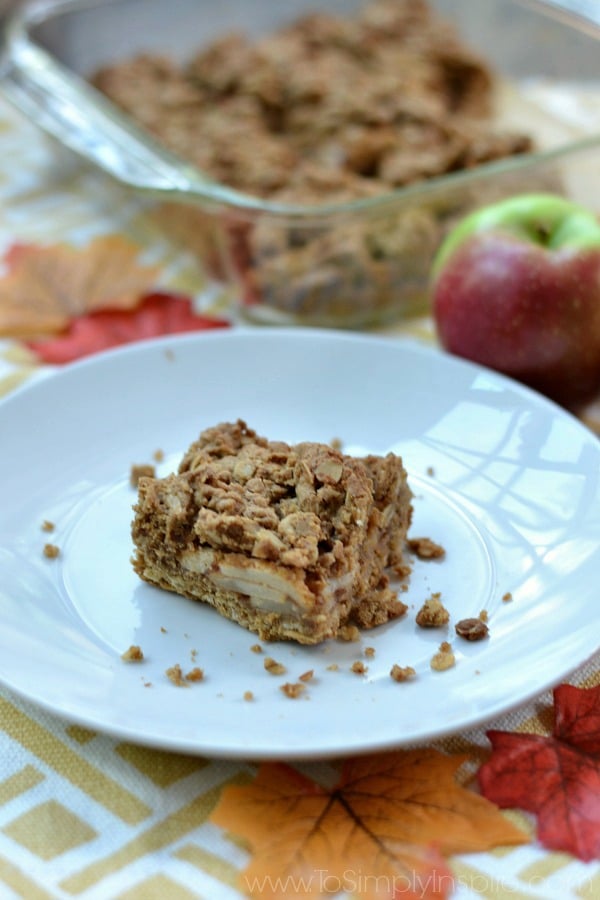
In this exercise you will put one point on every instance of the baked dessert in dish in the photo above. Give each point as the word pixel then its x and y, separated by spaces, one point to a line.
pixel 332 108
pixel 292 542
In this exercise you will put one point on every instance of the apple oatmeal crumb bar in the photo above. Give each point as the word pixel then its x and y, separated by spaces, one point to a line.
pixel 292 542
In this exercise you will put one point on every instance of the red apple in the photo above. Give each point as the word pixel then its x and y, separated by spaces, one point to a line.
pixel 516 287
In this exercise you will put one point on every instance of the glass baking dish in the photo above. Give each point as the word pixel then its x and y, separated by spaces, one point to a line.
pixel 352 263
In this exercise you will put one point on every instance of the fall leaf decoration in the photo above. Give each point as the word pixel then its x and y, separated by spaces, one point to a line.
pixel 557 777
pixel 46 286
pixel 381 831
pixel 158 313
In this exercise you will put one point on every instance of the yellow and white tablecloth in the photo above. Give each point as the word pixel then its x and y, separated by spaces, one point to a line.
pixel 83 815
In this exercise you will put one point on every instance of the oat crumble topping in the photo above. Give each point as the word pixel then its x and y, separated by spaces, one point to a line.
pixel 140 470
pixel 47 526
pixel 349 633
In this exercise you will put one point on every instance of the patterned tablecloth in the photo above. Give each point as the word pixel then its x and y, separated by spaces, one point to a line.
pixel 83 815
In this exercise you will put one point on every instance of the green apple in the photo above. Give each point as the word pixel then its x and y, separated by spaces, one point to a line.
pixel 516 287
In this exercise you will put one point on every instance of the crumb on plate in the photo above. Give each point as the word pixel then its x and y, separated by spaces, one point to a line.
pixel 443 659
pixel 402 673
pixel 425 548
pixel 139 470
pixel 133 653
pixel 433 613
pixel 273 667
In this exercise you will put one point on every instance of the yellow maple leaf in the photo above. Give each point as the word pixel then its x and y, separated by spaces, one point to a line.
pixel 46 286
pixel 380 832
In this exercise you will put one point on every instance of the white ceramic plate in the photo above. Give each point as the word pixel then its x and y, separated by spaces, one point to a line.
pixel 506 481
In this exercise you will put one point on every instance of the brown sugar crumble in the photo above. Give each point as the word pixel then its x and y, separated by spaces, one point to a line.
pixel 47 525
pixel 307 676
pixel 507 597
pixel 369 652
pixel 273 667
pixel 472 629
pixel 402 673
pixel 158 456
pixel 443 659
pixel 483 615
pixel 333 667
pixel 359 667
pixel 293 691
pixel 248 696
pixel 349 633
pixel 425 548
pixel 51 551
pixel 141 470
pixel 133 654
pixel 433 614
pixel 256 648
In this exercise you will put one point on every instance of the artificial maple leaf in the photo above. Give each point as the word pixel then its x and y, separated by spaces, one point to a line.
pixel 46 286
pixel 380 832
pixel 557 777
pixel 157 314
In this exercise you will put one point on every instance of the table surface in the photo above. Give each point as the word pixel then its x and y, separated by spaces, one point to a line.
pixel 86 815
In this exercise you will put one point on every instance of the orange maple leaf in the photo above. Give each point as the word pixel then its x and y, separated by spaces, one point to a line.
pixel 381 832
pixel 47 286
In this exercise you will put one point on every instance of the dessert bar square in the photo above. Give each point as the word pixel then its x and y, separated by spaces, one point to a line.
pixel 292 542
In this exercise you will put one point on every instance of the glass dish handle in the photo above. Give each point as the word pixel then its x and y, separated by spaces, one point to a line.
pixel 51 98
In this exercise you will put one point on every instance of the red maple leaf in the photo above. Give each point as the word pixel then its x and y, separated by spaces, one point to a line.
pixel 157 314
pixel 557 777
